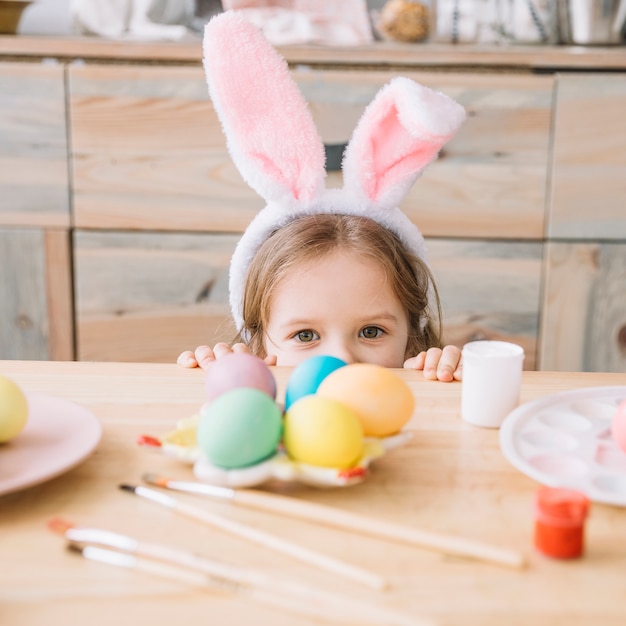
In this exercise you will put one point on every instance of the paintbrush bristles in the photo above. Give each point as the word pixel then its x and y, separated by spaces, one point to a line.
pixel 213 491
pixel 155 479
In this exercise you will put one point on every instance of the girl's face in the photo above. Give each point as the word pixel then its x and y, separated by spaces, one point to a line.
pixel 342 306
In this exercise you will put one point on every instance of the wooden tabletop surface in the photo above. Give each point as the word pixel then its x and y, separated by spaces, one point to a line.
pixel 450 478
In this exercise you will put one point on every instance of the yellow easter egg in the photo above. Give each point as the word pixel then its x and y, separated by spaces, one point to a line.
pixel 382 401
pixel 322 432
pixel 13 409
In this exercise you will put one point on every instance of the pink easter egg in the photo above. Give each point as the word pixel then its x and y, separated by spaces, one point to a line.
pixel 238 370
pixel 618 426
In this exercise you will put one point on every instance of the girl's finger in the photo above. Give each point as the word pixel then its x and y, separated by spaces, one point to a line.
pixel 187 359
pixel 416 362
pixel 241 348
pixel 204 356
pixel 448 363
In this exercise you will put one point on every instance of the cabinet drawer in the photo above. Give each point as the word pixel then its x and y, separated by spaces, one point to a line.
pixel 148 151
pixel 589 170
pixel 149 296
pixel 584 321
pixel 489 290
pixel 33 146
pixel 35 295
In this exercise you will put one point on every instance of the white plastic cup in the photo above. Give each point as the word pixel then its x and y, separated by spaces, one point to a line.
pixel 492 376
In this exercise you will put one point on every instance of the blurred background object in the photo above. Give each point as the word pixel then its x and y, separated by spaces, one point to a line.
pixel 497 21
pixel 10 15
pixel 597 22
pixel 329 22
pixel 403 20
pixel 58 17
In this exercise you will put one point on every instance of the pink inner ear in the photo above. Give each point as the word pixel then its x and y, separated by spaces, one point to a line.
pixel 396 154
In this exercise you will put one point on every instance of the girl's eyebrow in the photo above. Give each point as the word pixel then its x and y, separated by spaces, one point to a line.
pixel 381 316
pixel 296 321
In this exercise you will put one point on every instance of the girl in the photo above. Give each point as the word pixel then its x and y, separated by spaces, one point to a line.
pixel 339 285
pixel 327 271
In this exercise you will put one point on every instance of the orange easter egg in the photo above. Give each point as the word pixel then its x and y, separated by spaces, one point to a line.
pixel 382 401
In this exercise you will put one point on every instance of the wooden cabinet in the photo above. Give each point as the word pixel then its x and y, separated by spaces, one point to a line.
pixel 523 212
pixel 35 257
pixel 584 300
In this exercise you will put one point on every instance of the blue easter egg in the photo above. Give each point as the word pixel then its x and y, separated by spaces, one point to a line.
pixel 307 376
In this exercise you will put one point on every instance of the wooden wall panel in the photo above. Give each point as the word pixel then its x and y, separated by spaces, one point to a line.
pixel 584 307
pixel 33 146
pixel 149 296
pixel 489 290
pixel 490 179
pixel 589 168
pixel 23 310
pixel 59 294
pixel 148 152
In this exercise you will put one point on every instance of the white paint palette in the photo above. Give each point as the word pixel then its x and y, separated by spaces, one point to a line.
pixel 564 440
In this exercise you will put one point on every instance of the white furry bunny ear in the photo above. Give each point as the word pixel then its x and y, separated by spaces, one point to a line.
pixel 270 133
pixel 400 132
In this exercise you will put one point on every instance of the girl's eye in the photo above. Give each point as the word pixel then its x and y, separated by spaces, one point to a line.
pixel 371 332
pixel 306 336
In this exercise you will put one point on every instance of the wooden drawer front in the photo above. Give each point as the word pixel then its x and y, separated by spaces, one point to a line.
pixel 35 300
pixel 490 180
pixel 584 321
pixel 33 146
pixel 489 290
pixel 148 151
pixel 589 178
pixel 149 296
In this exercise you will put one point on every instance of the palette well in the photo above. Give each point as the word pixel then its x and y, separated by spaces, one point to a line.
pixel 564 440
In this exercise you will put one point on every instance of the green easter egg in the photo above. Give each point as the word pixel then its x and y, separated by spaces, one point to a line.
pixel 239 428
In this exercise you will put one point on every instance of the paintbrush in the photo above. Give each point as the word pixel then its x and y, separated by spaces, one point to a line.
pixel 329 516
pixel 192 569
pixel 330 564
pixel 161 552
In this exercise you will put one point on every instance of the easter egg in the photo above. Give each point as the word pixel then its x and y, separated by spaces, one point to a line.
pixel 382 401
pixel 307 376
pixel 13 409
pixel 236 370
pixel 240 427
pixel 618 426
pixel 322 432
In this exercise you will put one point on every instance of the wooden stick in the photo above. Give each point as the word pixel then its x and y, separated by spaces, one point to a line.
pixel 346 520
pixel 341 568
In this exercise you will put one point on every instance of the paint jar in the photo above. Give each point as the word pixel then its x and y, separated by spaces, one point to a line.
pixel 492 376
pixel 560 522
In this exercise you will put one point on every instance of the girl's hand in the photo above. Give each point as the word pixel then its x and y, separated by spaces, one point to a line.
pixel 444 365
pixel 203 356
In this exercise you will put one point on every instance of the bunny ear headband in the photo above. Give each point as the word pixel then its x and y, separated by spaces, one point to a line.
pixel 273 142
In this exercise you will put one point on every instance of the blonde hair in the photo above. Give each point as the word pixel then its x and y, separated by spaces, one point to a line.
pixel 311 237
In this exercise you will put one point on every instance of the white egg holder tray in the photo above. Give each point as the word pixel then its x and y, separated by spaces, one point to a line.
pixel 281 467
pixel 564 440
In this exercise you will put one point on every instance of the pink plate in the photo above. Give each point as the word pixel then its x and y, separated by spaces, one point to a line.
pixel 58 436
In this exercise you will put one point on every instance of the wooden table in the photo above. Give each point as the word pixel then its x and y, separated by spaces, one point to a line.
pixel 450 478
